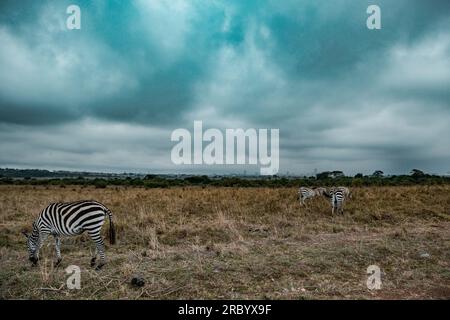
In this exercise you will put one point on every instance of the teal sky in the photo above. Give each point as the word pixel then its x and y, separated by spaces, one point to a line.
pixel 107 97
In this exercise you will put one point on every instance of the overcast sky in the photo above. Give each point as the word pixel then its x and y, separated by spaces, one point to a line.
pixel 108 96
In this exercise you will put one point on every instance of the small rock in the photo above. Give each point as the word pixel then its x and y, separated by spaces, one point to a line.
pixel 138 281
pixel 425 255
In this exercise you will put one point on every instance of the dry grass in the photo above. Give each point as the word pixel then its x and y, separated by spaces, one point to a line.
pixel 237 243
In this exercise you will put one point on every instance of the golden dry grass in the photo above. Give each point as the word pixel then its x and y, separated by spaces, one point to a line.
pixel 239 243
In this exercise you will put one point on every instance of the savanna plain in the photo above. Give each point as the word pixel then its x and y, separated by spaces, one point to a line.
pixel 236 243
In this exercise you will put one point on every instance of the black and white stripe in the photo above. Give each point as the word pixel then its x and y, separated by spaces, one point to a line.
pixel 337 196
pixel 307 193
pixel 346 191
pixel 71 219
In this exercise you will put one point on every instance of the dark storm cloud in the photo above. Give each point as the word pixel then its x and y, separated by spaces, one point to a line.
pixel 342 96
pixel 150 55
pixel 325 38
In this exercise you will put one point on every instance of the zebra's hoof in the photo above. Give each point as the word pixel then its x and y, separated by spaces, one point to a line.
pixel 93 262
pixel 57 262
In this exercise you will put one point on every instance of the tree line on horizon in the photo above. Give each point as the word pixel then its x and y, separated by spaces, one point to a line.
pixel 326 178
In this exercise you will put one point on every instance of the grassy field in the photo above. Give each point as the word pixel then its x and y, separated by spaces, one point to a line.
pixel 238 243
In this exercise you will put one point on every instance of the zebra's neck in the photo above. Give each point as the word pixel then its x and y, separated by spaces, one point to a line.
pixel 35 233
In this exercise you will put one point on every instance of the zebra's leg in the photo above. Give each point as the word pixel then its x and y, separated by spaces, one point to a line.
pixel 307 201
pixel 58 250
pixel 94 257
pixel 42 237
pixel 100 248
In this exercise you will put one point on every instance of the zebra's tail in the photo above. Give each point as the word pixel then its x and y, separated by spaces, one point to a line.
pixel 112 230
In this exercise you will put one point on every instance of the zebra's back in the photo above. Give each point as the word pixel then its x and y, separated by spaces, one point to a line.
pixel 72 218
pixel 345 191
pixel 306 192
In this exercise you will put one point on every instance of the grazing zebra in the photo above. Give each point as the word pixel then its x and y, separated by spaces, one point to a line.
pixel 307 193
pixel 337 196
pixel 70 219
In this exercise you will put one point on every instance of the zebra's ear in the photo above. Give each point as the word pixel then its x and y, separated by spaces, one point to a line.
pixel 25 234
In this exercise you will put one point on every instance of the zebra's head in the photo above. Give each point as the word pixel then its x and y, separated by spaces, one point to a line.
pixel 32 241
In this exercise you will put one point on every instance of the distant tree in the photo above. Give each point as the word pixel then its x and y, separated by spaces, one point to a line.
pixel 198 179
pixel 357 182
pixel 337 174
pixel 100 183
pixel 378 174
pixel 416 173
pixel 359 176
pixel 323 175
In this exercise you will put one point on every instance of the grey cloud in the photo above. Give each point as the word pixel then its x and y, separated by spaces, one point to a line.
pixel 342 96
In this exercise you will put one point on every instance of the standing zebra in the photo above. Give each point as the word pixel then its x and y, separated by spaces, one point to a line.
pixel 307 193
pixel 337 196
pixel 346 191
pixel 70 219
